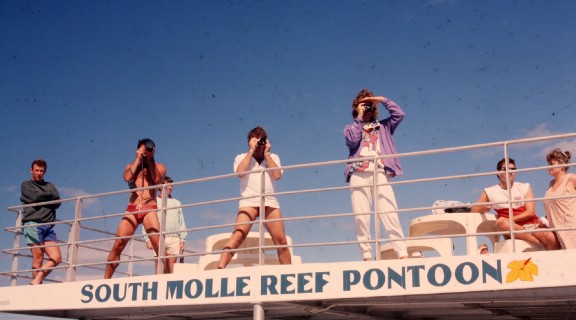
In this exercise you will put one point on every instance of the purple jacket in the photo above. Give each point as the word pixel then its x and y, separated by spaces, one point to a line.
pixel 353 136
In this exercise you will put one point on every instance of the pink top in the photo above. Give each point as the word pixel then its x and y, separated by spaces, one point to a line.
pixel 562 213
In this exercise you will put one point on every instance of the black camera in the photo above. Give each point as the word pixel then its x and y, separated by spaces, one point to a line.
pixel 149 145
pixel 262 142
pixel 368 107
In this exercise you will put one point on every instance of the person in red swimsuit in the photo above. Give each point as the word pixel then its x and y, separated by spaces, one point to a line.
pixel 142 209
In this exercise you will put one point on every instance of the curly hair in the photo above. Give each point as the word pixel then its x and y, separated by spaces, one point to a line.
pixel 562 157
pixel 257 132
pixel 364 93
pixel 39 162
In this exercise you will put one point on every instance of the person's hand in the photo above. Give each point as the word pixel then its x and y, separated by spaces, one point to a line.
pixel 149 245
pixel 140 152
pixel 253 144
pixel 267 147
pixel 360 110
pixel 501 221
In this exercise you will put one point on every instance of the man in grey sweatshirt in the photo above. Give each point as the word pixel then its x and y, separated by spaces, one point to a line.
pixel 39 235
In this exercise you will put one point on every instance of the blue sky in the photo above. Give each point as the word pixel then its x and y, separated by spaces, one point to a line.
pixel 82 81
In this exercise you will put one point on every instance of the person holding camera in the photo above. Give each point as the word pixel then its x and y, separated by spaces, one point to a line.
pixel 257 157
pixel 142 208
pixel 368 136
pixel 38 190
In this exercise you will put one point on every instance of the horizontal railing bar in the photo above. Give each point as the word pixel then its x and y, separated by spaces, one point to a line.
pixel 131 258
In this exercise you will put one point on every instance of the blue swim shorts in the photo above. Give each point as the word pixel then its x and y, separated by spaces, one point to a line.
pixel 38 234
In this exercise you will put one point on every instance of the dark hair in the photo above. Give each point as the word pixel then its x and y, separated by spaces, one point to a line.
pixel 144 141
pixel 40 163
pixel 503 161
pixel 257 132
pixel 167 179
pixel 562 157
pixel 364 93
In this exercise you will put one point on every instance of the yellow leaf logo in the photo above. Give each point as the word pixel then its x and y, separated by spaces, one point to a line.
pixel 521 269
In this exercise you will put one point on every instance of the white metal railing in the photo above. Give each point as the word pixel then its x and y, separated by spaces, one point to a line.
pixel 78 226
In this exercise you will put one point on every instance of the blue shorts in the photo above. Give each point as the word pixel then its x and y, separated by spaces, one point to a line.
pixel 40 234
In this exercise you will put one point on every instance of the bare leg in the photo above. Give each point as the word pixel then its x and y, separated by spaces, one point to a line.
pixel 169 264
pixel 549 240
pixel 503 225
pixel 245 214
pixel 37 259
pixel 54 259
pixel 276 231
pixel 152 225
pixel 126 227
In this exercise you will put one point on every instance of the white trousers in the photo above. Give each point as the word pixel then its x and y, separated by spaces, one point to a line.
pixel 361 206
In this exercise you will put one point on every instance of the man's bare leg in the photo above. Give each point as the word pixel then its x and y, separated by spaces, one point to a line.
pixel 37 258
pixel 126 227
pixel 54 259
pixel 152 225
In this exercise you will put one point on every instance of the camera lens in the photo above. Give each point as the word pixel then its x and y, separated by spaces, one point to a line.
pixel 262 142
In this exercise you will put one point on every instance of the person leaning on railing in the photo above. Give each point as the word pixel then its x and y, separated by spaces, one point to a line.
pixel 561 213
pixel 523 213
pixel 34 191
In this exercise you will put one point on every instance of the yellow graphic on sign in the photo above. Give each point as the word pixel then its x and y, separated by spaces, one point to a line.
pixel 521 269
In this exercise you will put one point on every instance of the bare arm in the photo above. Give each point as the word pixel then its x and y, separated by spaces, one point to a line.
pixel 131 170
pixel 572 182
pixel 530 208
pixel 274 174
pixel 245 163
pixel 481 208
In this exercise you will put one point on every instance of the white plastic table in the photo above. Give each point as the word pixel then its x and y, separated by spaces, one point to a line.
pixel 456 223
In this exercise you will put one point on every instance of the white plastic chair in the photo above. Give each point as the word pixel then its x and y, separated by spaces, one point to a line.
pixel 246 258
pixel 443 246
pixel 506 246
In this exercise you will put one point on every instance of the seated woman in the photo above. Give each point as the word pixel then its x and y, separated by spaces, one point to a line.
pixel 523 213
pixel 561 212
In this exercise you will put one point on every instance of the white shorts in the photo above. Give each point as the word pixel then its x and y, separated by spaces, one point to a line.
pixel 172 244
pixel 530 226
pixel 255 202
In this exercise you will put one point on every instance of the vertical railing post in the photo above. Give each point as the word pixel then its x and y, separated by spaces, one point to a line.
pixel 259 313
pixel 130 257
pixel 161 240
pixel 15 252
pixel 376 208
pixel 261 259
pixel 73 238
pixel 509 194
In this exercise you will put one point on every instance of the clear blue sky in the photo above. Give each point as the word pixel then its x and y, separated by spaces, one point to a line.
pixel 82 81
